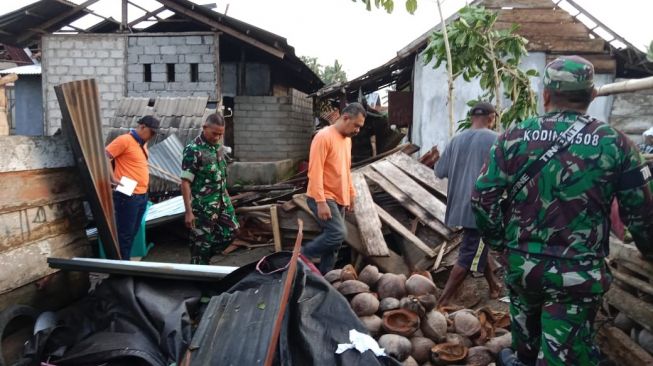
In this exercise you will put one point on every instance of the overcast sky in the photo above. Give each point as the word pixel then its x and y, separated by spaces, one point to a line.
pixel 362 40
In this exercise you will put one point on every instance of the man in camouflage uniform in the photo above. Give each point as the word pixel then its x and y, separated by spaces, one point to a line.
pixel 210 216
pixel 554 232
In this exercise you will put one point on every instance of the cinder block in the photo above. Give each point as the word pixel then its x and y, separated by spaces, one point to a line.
pixel 176 40
pixel 199 49
pixel 117 88
pixel 132 58
pixel 182 68
pixel 145 41
pixel 206 76
pixel 194 40
pixel 81 62
pixel 168 50
pixel 66 61
pixel 182 76
pixel 67 44
pixel 135 68
pixel 159 76
pixel 119 54
pixel 158 68
pixel 132 41
pixel 205 68
pixel 146 59
pixel 157 86
pixel 192 59
pixel 61 69
pixel 151 50
pixel 208 58
pixel 75 53
pixel 108 79
pixel 101 70
pixel 169 59
pixel 109 62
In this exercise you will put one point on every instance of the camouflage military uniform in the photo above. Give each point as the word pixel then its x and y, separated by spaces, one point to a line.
pixel 555 232
pixel 204 166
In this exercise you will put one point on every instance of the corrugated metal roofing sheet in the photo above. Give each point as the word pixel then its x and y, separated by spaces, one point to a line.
pixel 132 106
pixel 82 125
pixel 180 106
pixel 166 158
pixel 23 70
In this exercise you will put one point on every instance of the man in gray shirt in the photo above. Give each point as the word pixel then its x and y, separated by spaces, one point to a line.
pixel 461 163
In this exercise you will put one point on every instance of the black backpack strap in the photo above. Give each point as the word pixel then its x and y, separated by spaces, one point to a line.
pixel 561 143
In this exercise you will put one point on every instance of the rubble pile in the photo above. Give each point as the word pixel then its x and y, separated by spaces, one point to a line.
pixel 400 312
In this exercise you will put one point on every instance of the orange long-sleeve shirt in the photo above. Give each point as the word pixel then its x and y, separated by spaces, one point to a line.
pixel 329 167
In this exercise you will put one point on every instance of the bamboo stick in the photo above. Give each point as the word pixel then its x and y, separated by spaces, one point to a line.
pixel 626 86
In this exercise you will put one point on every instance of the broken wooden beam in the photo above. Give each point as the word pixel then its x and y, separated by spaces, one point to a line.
pixel 408 203
pixel 276 231
pixel 367 218
pixel 393 263
pixel 411 188
pixel 405 232
pixel 634 308
pixel 419 172
pixel 620 348
pixel 630 256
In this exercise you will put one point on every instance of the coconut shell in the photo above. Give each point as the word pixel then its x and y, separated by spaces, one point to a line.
pixel 448 353
pixel 336 284
pixel 428 301
pixel 479 356
pixel 370 275
pixel 372 323
pixel 391 285
pixel 434 326
pixel 353 287
pixel 419 285
pixel 466 324
pixel 645 339
pixel 348 273
pixel 496 344
pixel 624 323
pixel 365 304
pixel 412 304
pixel 421 348
pixel 426 274
pixel 459 339
pixel 333 275
pixel 400 321
pixel 389 303
pixel 410 362
pixel 395 346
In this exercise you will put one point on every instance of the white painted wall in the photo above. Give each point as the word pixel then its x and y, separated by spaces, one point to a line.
pixel 430 110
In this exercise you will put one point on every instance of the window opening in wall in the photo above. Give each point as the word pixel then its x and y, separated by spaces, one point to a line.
pixel 170 70
pixel 147 73
pixel 194 73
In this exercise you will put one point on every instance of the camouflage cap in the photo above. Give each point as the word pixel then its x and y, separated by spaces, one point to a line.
pixel 569 73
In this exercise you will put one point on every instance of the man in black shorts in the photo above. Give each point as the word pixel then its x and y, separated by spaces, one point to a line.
pixel 461 163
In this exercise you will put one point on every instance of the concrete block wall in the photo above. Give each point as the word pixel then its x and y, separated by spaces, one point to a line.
pixel 273 127
pixel 632 113
pixel 182 51
pixel 77 57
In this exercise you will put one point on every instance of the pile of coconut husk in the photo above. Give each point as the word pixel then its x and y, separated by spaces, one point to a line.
pixel 401 314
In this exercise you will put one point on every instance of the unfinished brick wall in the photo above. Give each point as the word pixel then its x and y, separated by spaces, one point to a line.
pixel 78 57
pixel 273 127
pixel 183 52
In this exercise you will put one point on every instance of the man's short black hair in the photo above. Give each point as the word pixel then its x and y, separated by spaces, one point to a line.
pixel 354 109
pixel 215 119
pixel 578 98
pixel 149 121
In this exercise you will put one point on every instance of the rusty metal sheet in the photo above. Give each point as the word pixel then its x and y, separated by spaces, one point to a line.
pixel 81 123
pixel 400 108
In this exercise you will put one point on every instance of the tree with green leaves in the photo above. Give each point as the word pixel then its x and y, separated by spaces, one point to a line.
pixel 329 74
pixel 478 50
pixel 389 5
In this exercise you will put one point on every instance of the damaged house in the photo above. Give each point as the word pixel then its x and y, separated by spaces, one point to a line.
pixel 552 28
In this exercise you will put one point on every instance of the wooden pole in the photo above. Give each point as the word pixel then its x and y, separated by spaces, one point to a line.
pixel 620 348
pixel 632 281
pixel 449 69
pixel 276 232
pixel 123 23
pixel 626 86
pixel 285 295
pixel 634 308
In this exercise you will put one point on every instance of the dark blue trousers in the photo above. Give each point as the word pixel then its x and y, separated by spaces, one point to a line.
pixel 129 213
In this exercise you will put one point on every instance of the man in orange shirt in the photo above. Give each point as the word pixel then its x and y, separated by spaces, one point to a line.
pixel 330 189
pixel 129 155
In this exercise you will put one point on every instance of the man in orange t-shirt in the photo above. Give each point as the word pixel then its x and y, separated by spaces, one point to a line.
pixel 129 155
pixel 330 190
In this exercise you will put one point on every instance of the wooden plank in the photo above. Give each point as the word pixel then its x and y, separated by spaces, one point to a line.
pixel 288 221
pixel 369 224
pixel 28 262
pixel 412 189
pixel 603 63
pixel 534 30
pixel 25 189
pixel 35 223
pixel 405 232
pixel 419 172
pixel 633 281
pixel 636 309
pixel 620 348
pixel 524 15
pixel 628 253
pixel 276 232
pixel 530 4
pixel 408 203
pixel 565 45
pixel 393 263
pixel 34 153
